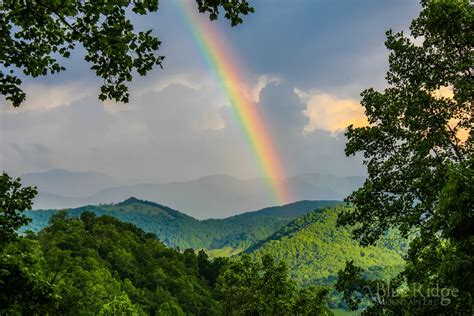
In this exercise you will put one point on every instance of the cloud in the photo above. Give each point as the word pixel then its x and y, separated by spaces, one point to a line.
pixel 331 113
pixel 282 109
pixel 324 44
pixel 178 132
pixel 155 83
pixel 448 93
pixel 261 83
pixel 27 155
pixel 159 83
pixel 444 92
pixel 45 97
pixel 315 151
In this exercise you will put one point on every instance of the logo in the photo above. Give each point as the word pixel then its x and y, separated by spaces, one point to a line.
pixel 414 295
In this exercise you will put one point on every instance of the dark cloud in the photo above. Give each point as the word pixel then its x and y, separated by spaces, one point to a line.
pixel 318 151
pixel 282 109
pixel 327 44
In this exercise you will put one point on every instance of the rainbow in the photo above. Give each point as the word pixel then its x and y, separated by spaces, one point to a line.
pixel 226 69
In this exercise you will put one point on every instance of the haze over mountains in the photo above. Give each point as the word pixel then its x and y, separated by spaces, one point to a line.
pixel 215 196
pixel 67 183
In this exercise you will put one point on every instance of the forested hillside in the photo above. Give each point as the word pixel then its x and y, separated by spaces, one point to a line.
pixel 80 263
pixel 315 249
pixel 100 266
pixel 176 229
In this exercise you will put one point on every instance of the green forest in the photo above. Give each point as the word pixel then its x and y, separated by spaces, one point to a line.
pixel 90 265
pixel 313 248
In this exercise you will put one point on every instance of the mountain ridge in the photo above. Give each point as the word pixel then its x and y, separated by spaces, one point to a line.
pixel 178 229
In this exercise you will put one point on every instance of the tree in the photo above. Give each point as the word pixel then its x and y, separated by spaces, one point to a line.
pixel 99 265
pixel 23 285
pixel 13 201
pixel 24 288
pixel 418 150
pixel 312 301
pixel 263 287
pixel 35 34
pixel 120 305
pixel 210 270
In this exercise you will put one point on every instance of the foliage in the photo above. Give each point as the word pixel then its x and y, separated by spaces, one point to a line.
pixel 24 288
pixel 262 287
pixel 23 285
pixel 121 305
pixel 85 264
pixel 418 151
pixel 36 34
pixel 224 252
pixel 210 270
pixel 99 264
pixel 315 249
pixel 234 9
pixel 14 200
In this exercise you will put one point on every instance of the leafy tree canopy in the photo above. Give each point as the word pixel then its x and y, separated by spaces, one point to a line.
pixel 35 34
pixel 418 150
pixel 13 201
pixel 263 287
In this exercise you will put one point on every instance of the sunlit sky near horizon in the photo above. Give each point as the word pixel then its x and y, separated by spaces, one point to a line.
pixel 305 63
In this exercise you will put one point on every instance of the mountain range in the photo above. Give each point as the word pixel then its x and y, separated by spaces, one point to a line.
pixel 177 229
pixel 216 196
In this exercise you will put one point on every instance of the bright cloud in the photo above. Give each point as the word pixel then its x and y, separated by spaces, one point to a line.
pixel 41 97
pixel 447 92
pixel 329 112
pixel 444 92
pixel 262 82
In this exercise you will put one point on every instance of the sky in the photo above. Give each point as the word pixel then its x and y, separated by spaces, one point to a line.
pixel 305 63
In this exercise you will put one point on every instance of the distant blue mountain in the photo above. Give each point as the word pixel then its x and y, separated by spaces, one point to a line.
pixel 217 196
